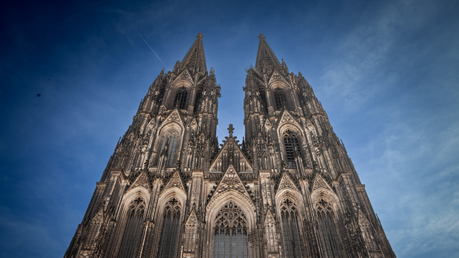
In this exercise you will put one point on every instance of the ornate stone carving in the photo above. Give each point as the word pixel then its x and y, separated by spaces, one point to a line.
pixel 319 182
pixel 231 181
pixel 286 182
pixel 175 181
pixel 142 180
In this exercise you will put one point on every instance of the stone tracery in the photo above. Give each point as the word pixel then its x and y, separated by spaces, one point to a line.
pixel 230 232
pixel 170 229
pixel 132 230
pixel 291 229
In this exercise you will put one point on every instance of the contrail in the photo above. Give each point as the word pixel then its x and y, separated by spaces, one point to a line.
pixel 150 47
pixel 221 131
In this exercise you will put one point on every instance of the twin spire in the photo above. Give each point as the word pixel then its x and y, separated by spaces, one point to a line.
pixel 195 59
pixel 266 56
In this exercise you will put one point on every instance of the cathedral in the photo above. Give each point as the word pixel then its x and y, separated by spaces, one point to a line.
pixel 287 190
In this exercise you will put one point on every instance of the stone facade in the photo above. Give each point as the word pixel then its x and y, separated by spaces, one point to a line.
pixel 288 189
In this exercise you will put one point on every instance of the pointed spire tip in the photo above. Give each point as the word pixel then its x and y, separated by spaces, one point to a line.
pixel 200 36
pixel 261 37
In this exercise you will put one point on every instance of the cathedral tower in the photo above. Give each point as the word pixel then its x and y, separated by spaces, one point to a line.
pixel 288 190
pixel 308 184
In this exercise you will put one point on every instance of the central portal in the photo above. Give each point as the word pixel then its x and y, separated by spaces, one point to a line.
pixel 230 239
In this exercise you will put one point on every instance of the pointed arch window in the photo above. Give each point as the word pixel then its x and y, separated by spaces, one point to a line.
pixel 279 99
pixel 328 230
pixel 133 228
pixel 197 102
pixel 291 230
pixel 170 138
pixel 170 230
pixel 180 98
pixel 292 148
pixel 230 233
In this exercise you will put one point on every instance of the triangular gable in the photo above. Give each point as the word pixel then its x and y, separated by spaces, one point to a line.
pixel 286 182
pixel 230 141
pixel 288 119
pixel 231 181
pixel 319 182
pixel 174 116
pixel 268 125
pixel 192 220
pixel 142 180
pixel 269 218
pixel 175 181
pixel 277 76
pixel 183 76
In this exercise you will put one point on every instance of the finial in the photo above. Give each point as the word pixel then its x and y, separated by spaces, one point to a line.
pixel 200 36
pixel 230 130
pixel 261 37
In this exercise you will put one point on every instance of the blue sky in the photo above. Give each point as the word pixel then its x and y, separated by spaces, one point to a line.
pixel 386 72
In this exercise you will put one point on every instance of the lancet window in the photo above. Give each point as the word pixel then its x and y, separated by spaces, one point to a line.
pixel 198 99
pixel 291 230
pixel 170 138
pixel 133 228
pixel 279 99
pixel 328 230
pixel 292 148
pixel 230 233
pixel 180 98
pixel 170 230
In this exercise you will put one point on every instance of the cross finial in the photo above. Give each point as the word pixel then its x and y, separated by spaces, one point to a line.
pixel 173 201
pixel 323 203
pixel 262 37
pixel 200 36
pixel 230 130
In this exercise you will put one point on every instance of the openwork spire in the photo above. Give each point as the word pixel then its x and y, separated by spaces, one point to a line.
pixel 195 59
pixel 265 56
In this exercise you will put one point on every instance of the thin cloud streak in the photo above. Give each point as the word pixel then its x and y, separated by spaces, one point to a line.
pixel 151 48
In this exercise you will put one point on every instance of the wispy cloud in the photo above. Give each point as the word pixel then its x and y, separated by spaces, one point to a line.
pixel 151 48
pixel 418 183
pixel 358 69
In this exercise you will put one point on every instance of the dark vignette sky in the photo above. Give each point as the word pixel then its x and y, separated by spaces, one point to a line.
pixel 385 71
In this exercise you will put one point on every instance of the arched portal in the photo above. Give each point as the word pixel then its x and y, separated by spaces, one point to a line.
pixel 230 232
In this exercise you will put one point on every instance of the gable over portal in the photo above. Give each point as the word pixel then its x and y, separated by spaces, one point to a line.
pixel 230 154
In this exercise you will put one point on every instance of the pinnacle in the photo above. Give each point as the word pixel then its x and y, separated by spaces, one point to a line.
pixel 195 59
pixel 230 130
pixel 265 56
pixel 261 37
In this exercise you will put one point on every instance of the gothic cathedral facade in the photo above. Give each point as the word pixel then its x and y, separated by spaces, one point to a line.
pixel 288 190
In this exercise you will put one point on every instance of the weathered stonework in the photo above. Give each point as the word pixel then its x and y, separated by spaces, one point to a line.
pixel 287 190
